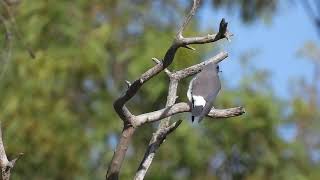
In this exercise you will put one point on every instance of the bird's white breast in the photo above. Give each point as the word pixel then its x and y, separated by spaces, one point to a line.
pixel 199 101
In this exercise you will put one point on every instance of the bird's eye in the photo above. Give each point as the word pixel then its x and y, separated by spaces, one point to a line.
pixel 218 68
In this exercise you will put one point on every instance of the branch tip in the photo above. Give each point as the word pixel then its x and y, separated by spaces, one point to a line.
pixel 168 72
pixel 155 60
pixel 173 126
pixel 223 30
pixel 128 83
pixel 189 47
pixel 188 18
pixel 171 108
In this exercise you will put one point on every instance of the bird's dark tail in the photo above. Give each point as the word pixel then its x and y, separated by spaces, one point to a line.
pixel 192 117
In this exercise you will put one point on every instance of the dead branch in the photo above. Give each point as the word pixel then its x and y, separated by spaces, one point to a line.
pixel 171 109
pixel 5 164
pixel 130 121
pixel 185 107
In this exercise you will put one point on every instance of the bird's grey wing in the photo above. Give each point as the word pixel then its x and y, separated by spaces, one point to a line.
pixel 209 105
pixel 211 90
pixel 206 85
pixel 206 82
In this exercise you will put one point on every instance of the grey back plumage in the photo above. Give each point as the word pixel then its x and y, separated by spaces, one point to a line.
pixel 205 84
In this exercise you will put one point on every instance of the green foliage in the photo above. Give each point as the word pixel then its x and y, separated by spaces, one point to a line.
pixel 57 108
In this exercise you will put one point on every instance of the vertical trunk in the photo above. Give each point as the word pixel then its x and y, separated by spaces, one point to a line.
pixel 120 152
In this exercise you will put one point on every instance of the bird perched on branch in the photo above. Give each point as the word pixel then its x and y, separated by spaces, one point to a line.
pixel 203 89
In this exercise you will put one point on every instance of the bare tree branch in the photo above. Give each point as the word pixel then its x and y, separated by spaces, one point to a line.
pixel 119 154
pixel 192 70
pixel 119 104
pixel 223 33
pixel 5 164
pixel 185 107
pixel 188 18
pixel 129 119
pixel 171 109
pixel 162 131
pixel 158 136
pixel 3 157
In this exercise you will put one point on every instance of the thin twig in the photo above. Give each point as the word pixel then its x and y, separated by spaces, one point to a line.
pixel 188 18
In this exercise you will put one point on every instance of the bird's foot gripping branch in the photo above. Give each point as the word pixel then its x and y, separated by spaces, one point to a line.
pixel 132 122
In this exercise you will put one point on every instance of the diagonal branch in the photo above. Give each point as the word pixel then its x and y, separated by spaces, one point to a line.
pixel 192 70
pixel 163 130
pixel 119 104
pixel 188 18
pixel 173 85
pixel 129 119
pixel 171 109
pixel 160 134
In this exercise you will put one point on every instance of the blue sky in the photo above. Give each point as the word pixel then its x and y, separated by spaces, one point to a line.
pixel 277 43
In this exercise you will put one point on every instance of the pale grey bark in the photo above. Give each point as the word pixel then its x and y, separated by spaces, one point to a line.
pixel 5 55
pixel 131 122
pixel 6 165
pixel 171 109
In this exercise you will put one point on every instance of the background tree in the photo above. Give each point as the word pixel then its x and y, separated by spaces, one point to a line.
pixel 57 109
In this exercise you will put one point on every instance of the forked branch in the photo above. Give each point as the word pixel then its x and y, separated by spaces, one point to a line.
pixel 171 109
pixel 131 121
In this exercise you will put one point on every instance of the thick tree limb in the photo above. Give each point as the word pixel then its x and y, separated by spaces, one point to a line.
pixel 185 107
pixel 164 131
pixel 119 154
pixel 165 128
pixel 124 113
pixel 160 134
pixel 192 70
pixel 119 104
